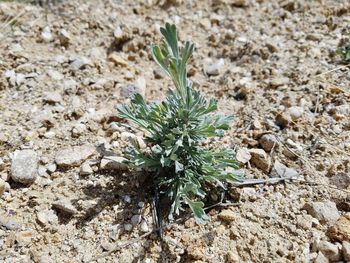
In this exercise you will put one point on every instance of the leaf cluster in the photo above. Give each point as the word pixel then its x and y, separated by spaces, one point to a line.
pixel 344 53
pixel 174 130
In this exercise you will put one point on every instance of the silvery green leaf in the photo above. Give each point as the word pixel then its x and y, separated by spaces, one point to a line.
pixel 178 167
pixel 157 149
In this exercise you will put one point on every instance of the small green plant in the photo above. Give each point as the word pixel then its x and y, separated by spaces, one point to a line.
pixel 182 169
pixel 344 53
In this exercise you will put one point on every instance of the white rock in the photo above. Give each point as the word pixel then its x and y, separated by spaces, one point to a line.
pixel 129 90
pixel 52 97
pixel 46 34
pixel 114 232
pixel 42 171
pixel 20 78
pixel 15 47
pixel 294 145
pixel 113 163
pixel 141 85
pixel 54 74
pixel 141 204
pixel 85 169
pixel 279 81
pixel 144 226
pixel 9 222
pixel 49 134
pixel 128 227
pixel 127 136
pixel 69 85
pixel 295 112
pixel 325 212
pixel 243 155
pixel 213 68
pixel 51 167
pixel 65 206
pixel 115 144
pixel 280 170
pixel 79 63
pixel 118 34
pixel 24 166
pixel 74 156
pixel 127 199
pixel 106 245
pixel 79 129
pixel 47 217
pixel 9 74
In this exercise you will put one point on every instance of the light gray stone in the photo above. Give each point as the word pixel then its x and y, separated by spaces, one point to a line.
pixel 243 155
pixel 136 219
pixel 65 206
pixel 47 217
pixel 46 34
pixel 24 166
pixel 113 163
pixel 114 232
pixel 279 81
pixel 296 112
pixel 127 199
pixel 8 222
pixel 144 226
pixel 213 68
pixel 52 97
pixel 73 156
pixel 280 170
pixel 325 212
pixel 51 168
pixel 129 90
pixel 85 169
pixel 128 227
pixel 79 63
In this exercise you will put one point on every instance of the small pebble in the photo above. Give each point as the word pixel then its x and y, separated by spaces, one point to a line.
pixel 128 227
pixel 136 219
pixel 127 199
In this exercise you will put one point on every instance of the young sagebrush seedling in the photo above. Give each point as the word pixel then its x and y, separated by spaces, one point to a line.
pixel 181 168
pixel 344 53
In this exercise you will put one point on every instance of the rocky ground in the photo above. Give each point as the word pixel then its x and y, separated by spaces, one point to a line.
pixel 66 196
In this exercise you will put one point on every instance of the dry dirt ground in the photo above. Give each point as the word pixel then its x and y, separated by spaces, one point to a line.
pixel 65 196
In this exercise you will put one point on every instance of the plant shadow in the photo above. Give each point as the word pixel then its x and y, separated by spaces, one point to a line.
pixel 113 193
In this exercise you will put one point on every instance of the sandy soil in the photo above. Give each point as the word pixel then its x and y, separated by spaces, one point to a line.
pixel 64 195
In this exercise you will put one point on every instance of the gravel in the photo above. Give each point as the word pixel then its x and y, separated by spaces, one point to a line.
pixel 62 80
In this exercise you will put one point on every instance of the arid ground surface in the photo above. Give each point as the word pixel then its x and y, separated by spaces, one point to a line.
pixel 65 196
